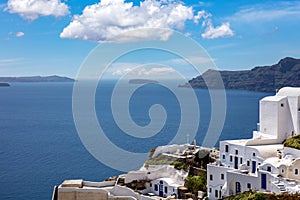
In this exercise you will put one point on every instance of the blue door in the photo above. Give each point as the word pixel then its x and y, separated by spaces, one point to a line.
pixel 263 181
pixel 161 189
pixel 253 166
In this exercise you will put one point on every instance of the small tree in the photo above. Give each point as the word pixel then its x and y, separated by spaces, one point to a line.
pixel 196 183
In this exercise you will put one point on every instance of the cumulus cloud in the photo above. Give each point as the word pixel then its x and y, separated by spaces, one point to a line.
pixel 119 21
pixel 20 34
pixel 32 9
pixel 212 32
pixel 134 69
pixel 201 14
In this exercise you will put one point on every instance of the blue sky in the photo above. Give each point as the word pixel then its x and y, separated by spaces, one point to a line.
pixel 46 37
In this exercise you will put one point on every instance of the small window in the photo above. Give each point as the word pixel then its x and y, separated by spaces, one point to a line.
pixel 241 160
pixel 249 185
pixel 223 156
pixel 230 158
pixel 209 190
pixel 254 154
pixel 236 152
pixel 155 187
pixel 216 193
pixel 282 105
pixel 161 182
pixel 211 177
pixel 282 171
pixel 222 176
pixel 269 169
pixel 259 163
pixel 166 189
pixel 299 109
pixel 248 163
pixel 150 184
pixel 296 171
pixel 226 148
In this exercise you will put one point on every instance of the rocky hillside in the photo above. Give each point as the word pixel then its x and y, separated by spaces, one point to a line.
pixel 266 79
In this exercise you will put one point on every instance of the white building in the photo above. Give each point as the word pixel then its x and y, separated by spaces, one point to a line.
pixel 162 180
pixel 261 163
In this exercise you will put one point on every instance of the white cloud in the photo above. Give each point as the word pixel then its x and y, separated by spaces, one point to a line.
pixel 119 21
pixel 212 32
pixel 197 60
pixel 20 34
pixel 32 9
pixel 138 69
pixel 201 14
pixel 268 12
pixel 10 61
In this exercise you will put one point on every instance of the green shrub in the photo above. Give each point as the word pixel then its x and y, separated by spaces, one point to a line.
pixel 196 183
pixel 293 142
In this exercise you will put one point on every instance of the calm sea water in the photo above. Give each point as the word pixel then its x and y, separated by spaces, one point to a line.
pixel 39 145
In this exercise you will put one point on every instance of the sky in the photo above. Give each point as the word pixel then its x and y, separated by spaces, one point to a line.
pixel 47 37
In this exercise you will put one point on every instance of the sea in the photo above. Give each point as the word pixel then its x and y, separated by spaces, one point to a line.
pixel 40 146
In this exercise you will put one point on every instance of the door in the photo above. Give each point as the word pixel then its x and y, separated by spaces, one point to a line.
pixel 161 189
pixel 236 162
pixel 264 181
pixel 253 166
pixel 237 187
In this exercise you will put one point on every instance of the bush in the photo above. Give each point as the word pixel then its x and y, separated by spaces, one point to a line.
pixel 196 183
pixel 293 142
pixel 180 165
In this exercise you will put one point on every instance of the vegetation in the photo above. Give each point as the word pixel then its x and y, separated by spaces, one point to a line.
pixel 180 165
pixel 151 152
pixel 196 183
pixel 293 142
pixel 263 196
pixel 160 160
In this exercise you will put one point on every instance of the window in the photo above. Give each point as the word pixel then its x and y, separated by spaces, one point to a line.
pixel 230 158
pixel 249 185
pixel 209 190
pixel 236 152
pixel 211 177
pixel 248 163
pixel 282 171
pixel 222 176
pixel 282 105
pixel 241 160
pixel 166 189
pixel 223 156
pixel 269 169
pixel 253 154
pixel 150 184
pixel 155 187
pixel 226 148
pixel 296 171
pixel 216 193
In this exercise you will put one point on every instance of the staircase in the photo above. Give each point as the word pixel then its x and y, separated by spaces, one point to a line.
pixel 281 187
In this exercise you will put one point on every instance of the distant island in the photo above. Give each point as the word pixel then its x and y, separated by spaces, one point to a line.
pixel 263 78
pixel 4 85
pixel 36 79
pixel 142 81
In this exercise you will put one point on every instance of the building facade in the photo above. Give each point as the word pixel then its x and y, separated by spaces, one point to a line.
pixel 261 163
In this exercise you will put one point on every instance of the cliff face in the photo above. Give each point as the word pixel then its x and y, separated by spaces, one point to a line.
pixel 265 79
